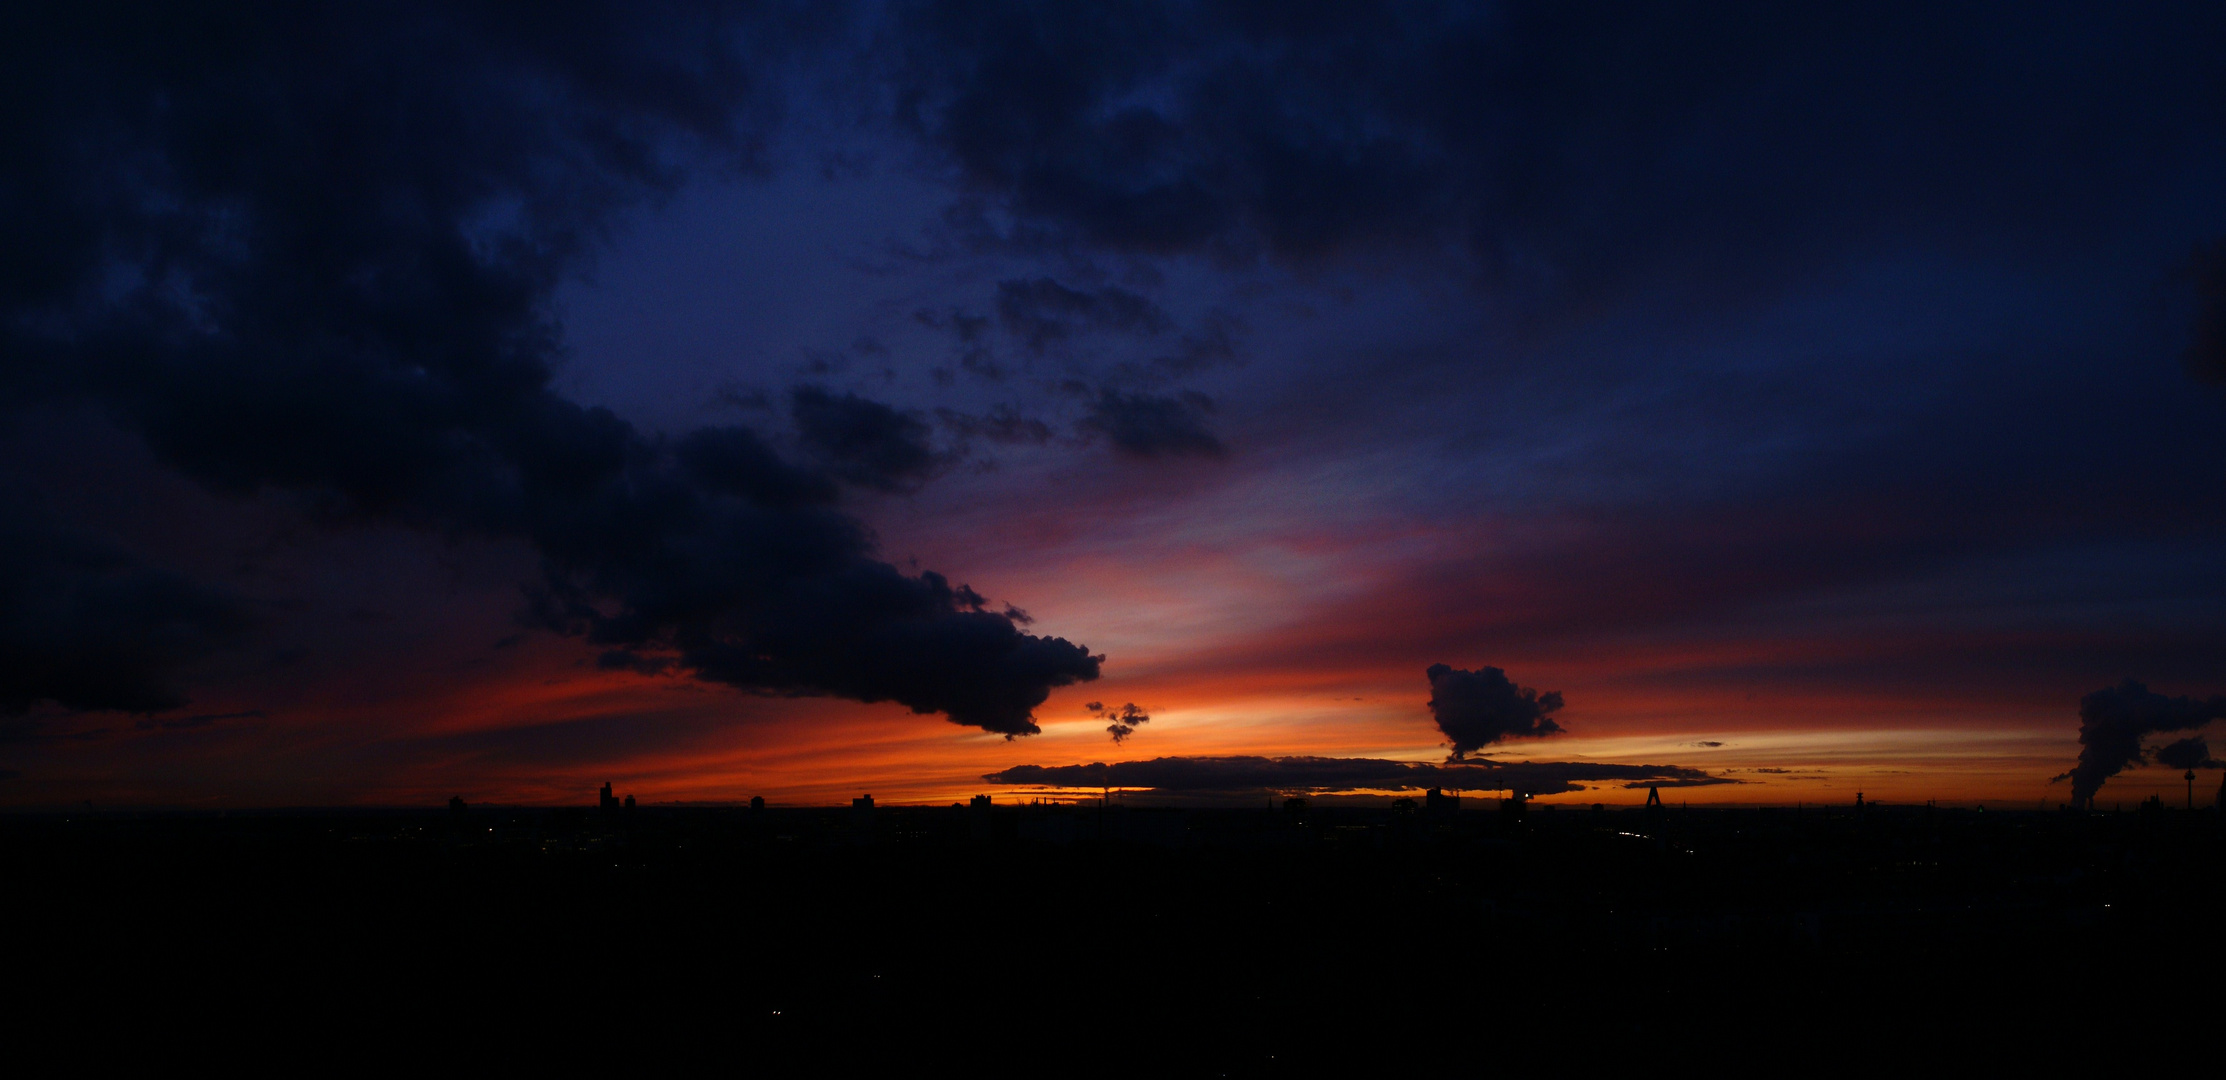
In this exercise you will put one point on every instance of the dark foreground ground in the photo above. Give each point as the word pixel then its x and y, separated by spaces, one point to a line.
pixel 797 942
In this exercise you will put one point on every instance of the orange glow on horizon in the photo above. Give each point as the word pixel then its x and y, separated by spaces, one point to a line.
pixel 1225 657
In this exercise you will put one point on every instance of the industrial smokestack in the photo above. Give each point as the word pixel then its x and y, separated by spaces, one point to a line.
pixel 2112 723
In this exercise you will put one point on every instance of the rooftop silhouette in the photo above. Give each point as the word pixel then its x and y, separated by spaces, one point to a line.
pixel 855 944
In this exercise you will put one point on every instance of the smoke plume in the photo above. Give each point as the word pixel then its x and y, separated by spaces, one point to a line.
pixel 1478 708
pixel 2112 722
pixel 2187 754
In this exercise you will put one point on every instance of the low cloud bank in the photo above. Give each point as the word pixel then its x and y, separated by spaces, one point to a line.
pixel 1315 774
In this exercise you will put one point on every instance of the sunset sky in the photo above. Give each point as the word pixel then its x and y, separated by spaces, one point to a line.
pixel 489 401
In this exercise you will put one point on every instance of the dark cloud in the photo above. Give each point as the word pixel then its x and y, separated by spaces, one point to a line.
pixel 314 250
pixel 1708 744
pixel 1212 344
pixel 968 328
pixel 1565 151
pixel 829 622
pixel 735 461
pixel 1150 426
pixel 37 731
pixel 2206 354
pixel 1042 312
pixel 2112 722
pixel 864 442
pixel 182 723
pixel 2187 754
pixel 1125 719
pixel 85 626
pixel 1246 773
pixel 638 663
pixel 1002 424
pixel 1478 708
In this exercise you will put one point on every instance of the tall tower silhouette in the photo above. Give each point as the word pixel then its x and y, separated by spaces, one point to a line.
pixel 1653 795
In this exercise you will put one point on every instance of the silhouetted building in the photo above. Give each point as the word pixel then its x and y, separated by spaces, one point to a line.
pixel 456 804
pixel 980 819
pixel 1050 823
pixel 1294 805
pixel 1653 797
pixel 1511 808
pixel 861 820
pixel 757 803
pixel 629 802
pixel 606 802
pixel 1435 802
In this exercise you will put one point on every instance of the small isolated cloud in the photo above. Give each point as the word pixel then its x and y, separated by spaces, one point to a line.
pixel 1707 745
pixel 1478 708
pixel 1125 719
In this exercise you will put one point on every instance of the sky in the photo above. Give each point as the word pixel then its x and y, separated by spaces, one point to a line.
pixel 806 400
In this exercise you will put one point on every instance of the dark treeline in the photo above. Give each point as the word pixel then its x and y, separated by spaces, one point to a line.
pixel 1054 941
